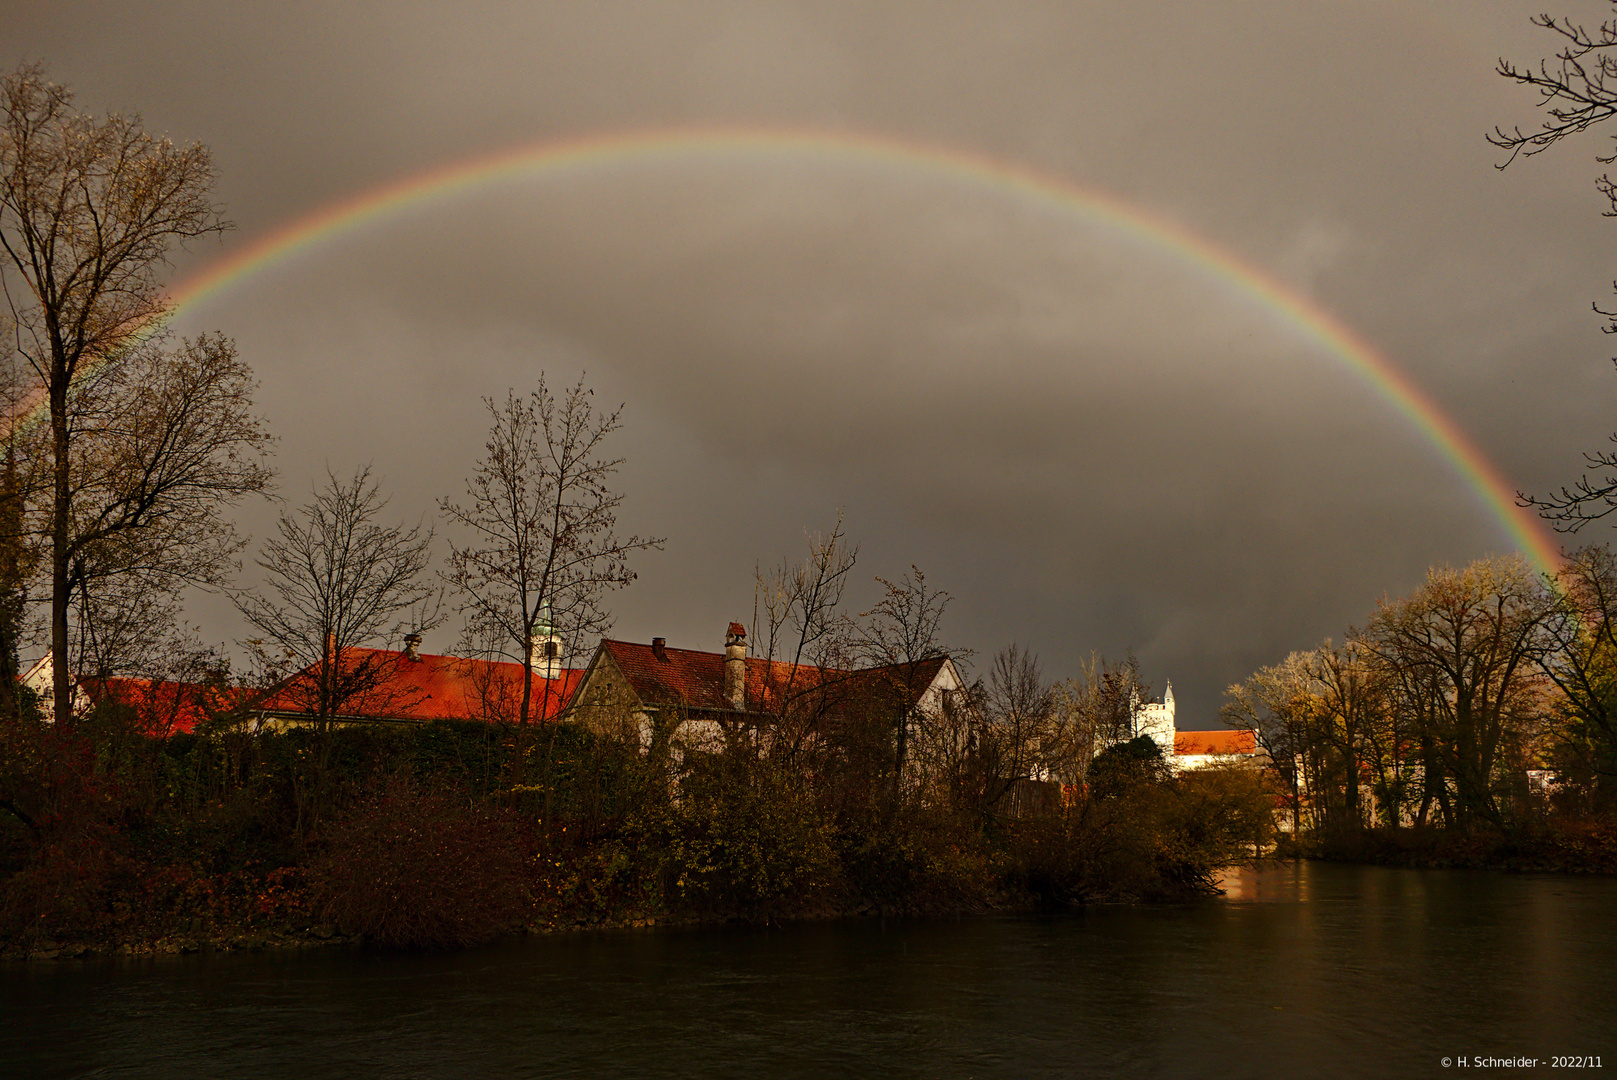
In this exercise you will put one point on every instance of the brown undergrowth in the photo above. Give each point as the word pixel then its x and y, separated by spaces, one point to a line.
pixel 447 835
pixel 1575 846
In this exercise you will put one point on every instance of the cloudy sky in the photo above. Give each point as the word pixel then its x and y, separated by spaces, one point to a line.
pixel 1098 434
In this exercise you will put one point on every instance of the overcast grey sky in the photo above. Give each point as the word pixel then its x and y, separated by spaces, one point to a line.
pixel 1094 441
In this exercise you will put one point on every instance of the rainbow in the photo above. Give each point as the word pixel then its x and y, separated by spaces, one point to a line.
pixel 625 148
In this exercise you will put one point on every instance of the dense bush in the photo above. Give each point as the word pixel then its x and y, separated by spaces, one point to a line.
pixel 920 860
pixel 745 839
pixel 416 868
pixel 446 834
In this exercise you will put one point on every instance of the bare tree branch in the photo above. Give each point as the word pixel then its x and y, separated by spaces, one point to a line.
pixel 540 549
pixel 339 579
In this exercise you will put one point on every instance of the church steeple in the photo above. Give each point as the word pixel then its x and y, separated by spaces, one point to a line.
pixel 544 647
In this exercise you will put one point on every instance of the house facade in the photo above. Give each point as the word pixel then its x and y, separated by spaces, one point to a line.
pixel 702 700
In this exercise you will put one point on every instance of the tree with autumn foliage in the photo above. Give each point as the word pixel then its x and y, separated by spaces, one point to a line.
pixel 1463 652
pixel 144 444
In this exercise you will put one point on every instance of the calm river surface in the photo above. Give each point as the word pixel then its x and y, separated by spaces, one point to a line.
pixel 1310 970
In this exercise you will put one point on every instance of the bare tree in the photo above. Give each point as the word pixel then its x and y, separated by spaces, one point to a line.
pixel 807 641
pixel 1091 711
pixel 541 550
pixel 898 636
pixel 1016 711
pixel 89 210
pixel 339 579
pixel 799 603
pixel 163 439
pixel 1577 88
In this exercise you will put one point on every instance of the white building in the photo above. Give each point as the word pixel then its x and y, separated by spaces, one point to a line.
pixel 1155 718
pixel 1190 749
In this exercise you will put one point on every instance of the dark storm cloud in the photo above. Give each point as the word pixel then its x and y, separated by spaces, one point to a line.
pixel 1092 441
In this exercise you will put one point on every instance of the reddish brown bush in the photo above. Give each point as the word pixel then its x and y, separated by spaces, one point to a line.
pixel 419 869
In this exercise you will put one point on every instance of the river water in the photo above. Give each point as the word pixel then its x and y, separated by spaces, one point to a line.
pixel 1300 970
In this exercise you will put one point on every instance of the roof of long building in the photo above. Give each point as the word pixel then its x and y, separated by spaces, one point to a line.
pixel 1232 741
pixel 163 707
pixel 397 686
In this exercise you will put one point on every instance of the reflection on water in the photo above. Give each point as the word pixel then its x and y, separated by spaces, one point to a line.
pixel 1266 881
pixel 1300 969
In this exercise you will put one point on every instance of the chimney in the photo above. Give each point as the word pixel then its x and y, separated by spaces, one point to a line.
pixel 412 646
pixel 735 667
pixel 659 649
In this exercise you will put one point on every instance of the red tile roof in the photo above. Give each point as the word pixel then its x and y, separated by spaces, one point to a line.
pixel 164 708
pixel 432 688
pixel 696 679
pixel 1234 741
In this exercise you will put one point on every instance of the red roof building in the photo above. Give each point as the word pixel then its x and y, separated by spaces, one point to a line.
pixel 628 685
pixel 161 707
pixel 1241 741
pixel 387 686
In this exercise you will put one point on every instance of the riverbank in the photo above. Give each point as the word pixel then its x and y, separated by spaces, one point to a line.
pixel 422 874
pixel 185 937
pixel 450 835
pixel 164 911
pixel 1557 847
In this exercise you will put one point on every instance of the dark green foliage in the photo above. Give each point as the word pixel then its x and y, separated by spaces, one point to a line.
pixel 1120 767
pixel 921 862
pixel 744 839
pixel 1143 833
pixel 574 780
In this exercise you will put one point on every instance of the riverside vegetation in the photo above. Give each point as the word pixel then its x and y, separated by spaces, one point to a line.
pixel 447 834
pixel 1471 723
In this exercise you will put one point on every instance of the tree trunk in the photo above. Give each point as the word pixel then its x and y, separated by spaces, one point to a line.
pixel 61 503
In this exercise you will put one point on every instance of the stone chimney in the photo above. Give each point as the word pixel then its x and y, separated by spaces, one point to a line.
pixel 412 646
pixel 735 667
pixel 659 649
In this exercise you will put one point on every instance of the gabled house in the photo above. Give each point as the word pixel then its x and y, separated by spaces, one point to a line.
pixel 636 690
pixel 38 679
pixel 411 687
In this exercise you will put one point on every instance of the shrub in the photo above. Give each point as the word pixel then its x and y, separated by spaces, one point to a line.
pixel 920 861
pixel 744 840
pixel 422 869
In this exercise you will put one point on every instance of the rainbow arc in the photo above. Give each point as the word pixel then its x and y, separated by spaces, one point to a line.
pixel 637 148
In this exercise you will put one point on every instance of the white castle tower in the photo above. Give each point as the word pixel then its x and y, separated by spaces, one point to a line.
pixel 1156 720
